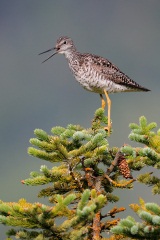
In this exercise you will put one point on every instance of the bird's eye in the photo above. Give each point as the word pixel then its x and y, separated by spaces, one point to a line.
pixel 64 42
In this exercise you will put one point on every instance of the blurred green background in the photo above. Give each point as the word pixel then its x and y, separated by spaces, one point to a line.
pixel 35 95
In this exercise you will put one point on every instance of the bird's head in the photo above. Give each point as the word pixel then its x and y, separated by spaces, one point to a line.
pixel 64 45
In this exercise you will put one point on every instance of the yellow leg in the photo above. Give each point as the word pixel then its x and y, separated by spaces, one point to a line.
pixel 103 101
pixel 109 111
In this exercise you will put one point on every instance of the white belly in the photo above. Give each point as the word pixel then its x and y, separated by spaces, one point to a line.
pixel 94 81
pixel 98 85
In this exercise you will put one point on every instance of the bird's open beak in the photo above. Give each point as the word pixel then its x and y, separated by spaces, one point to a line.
pixel 51 49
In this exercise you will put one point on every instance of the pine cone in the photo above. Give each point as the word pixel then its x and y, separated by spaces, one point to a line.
pixel 123 167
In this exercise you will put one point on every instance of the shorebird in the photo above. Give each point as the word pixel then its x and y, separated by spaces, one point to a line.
pixel 95 73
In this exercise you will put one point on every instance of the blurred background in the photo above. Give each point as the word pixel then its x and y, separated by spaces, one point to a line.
pixel 35 95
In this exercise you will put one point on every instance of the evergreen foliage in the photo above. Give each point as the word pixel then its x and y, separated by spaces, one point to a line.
pixel 149 228
pixel 81 182
pixel 149 155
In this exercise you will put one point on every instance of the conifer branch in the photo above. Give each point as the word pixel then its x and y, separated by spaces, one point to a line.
pixel 114 163
pixel 81 184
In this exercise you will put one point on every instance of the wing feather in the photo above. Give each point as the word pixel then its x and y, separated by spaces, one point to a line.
pixel 111 71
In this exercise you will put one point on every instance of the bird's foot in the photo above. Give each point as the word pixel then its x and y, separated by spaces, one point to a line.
pixel 108 129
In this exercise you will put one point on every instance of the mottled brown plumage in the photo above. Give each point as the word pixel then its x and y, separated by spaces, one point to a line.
pixel 95 73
